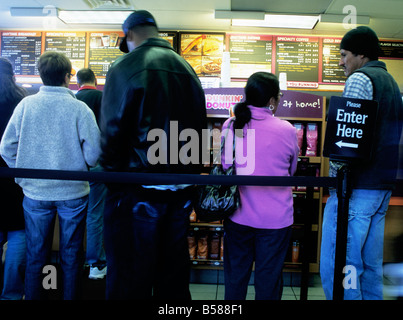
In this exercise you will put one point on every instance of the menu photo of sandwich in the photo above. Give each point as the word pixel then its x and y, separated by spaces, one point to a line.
pixel 213 45
pixel 203 52
pixel 191 44
pixel 195 62
pixel 211 65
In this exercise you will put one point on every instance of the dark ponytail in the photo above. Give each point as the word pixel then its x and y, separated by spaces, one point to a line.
pixel 259 89
pixel 242 115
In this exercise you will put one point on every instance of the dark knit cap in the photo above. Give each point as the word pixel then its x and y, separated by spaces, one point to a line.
pixel 137 18
pixel 362 40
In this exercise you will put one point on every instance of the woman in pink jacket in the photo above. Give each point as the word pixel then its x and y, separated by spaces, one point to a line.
pixel 259 231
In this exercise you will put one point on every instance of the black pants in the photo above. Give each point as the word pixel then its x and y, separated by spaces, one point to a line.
pixel 242 246
pixel 146 244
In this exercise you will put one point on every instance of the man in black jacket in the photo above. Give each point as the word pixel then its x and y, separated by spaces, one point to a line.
pixel 151 89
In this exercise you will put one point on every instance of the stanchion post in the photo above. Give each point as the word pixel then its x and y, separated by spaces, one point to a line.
pixel 343 195
pixel 307 244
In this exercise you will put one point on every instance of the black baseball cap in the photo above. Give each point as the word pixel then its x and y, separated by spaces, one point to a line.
pixel 137 18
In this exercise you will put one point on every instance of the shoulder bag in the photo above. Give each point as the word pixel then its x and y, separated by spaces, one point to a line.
pixel 218 202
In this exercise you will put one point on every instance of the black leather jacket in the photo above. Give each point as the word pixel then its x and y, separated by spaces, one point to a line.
pixel 147 89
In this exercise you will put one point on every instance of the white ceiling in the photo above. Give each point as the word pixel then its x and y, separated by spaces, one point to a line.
pixel 192 15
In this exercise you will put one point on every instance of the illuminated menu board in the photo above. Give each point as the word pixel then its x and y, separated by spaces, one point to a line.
pixel 250 54
pixel 332 73
pixel 171 37
pixel 391 49
pixel 298 57
pixel 305 61
pixel 203 52
pixel 104 50
pixel 72 44
pixel 23 49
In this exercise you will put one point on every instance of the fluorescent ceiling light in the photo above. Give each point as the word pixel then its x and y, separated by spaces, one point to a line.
pixel 94 16
pixel 338 18
pixel 248 15
pixel 32 12
pixel 280 21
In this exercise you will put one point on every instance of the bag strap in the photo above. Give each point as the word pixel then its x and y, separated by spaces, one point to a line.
pixel 233 143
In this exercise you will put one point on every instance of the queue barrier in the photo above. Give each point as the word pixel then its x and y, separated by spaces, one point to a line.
pixel 341 183
pixel 166 178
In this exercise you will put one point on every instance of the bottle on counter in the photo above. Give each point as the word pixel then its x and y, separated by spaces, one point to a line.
pixel 295 251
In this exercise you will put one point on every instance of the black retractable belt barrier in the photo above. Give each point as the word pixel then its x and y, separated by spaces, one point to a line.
pixel 166 178
pixel 194 179
pixel 343 196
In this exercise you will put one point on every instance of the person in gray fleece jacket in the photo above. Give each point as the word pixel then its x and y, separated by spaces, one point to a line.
pixel 53 130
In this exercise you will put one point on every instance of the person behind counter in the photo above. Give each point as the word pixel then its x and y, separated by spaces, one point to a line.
pixel 12 226
pixel 372 180
pixel 260 229
pixel 53 130
pixel 150 87
pixel 95 254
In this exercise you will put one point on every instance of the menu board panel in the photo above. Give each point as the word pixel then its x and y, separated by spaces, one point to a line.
pixel 391 49
pixel 204 52
pixel 332 73
pixel 23 49
pixel 103 51
pixel 171 37
pixel 298 58
pixel 304 61
pixel 250 54
pixel 72 44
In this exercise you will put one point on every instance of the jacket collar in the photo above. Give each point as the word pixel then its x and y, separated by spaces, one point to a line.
pixel 159 42
pixel 56 89
pixel 375 63
pixel 260 113
pixel 87 87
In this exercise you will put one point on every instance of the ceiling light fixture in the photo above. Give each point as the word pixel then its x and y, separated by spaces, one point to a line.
pixel 94 16
pixel 338 18
pixel 249 15
pixel 280 21
pixel 33 12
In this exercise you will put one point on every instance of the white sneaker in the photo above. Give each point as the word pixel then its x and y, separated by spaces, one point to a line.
pixel 96 274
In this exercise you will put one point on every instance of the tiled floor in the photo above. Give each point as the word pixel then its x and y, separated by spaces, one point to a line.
pixel 216 292
pixel 315 291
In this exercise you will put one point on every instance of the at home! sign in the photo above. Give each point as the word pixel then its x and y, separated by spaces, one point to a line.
pixel 350 128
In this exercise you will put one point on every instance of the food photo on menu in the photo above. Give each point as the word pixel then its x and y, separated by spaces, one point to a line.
pixel 203 52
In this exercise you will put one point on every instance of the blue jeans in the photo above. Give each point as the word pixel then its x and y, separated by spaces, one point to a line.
pixel 366 222
pixel 14 264
pixel 95 254
pixel 39 225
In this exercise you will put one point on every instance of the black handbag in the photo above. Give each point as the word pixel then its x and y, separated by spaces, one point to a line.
pixel 217 202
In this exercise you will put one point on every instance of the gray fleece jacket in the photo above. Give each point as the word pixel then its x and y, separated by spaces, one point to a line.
pixel 52 130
